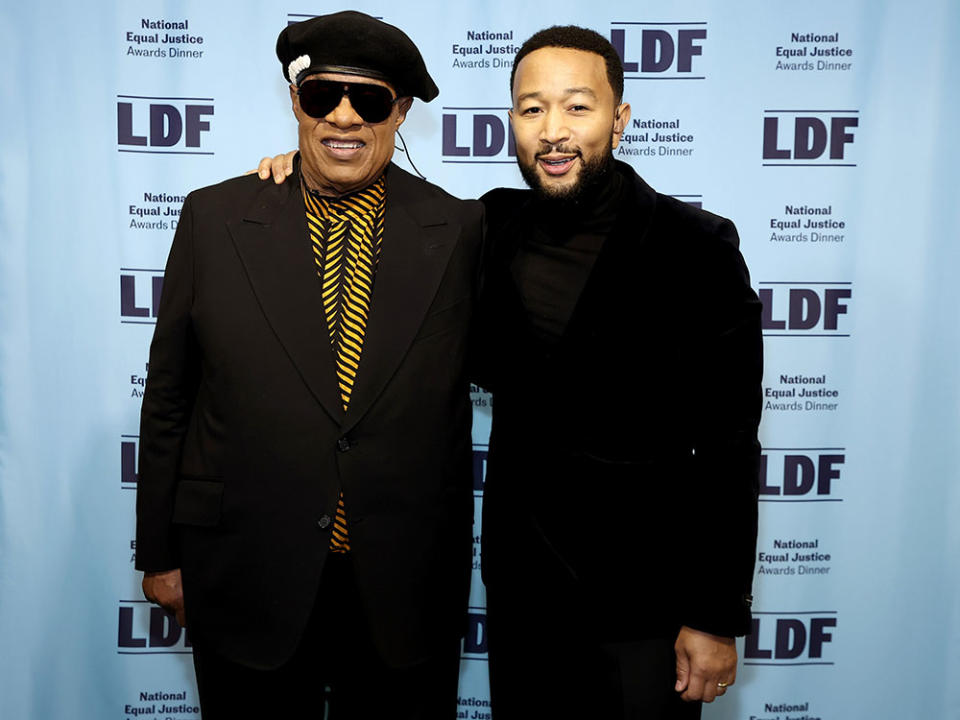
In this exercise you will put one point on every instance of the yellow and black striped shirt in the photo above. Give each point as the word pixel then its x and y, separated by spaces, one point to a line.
pixel 346 233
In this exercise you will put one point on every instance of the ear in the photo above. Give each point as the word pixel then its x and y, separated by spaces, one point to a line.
pixel 403 107
pixel 294 102
pixel 620 121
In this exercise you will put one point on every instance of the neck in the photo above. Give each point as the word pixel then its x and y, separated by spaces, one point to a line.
pixel 321 186
pixel 318 184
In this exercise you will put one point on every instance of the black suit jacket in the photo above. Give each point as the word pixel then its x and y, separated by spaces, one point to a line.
pixel 244 444
pixel 621 490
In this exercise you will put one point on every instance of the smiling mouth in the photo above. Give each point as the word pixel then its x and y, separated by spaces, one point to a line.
pixel 556 165
pixel 342 146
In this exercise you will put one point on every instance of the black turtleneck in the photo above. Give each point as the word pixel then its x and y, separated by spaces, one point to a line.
pixel 561 242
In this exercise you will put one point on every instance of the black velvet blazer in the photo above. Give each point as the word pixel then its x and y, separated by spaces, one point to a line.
pixel 622 475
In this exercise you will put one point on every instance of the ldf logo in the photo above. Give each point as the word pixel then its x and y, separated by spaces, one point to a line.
pixel 789 638
pixel 477 135
pixel 808 138
pixel 812 309
pixel 173 126
pixel 475 641
pixel 800 474
pixel 140 295
pixel 146 629
pixel 479 467
pixel 129 445
pixel 666 50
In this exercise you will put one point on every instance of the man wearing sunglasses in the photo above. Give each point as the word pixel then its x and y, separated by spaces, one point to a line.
pixel 305 496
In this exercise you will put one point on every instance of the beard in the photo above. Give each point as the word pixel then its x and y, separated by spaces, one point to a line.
pixel 593 171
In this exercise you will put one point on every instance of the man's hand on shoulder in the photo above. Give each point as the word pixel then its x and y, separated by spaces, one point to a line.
pixel 706 664
pixel 280 166
pixel 166 590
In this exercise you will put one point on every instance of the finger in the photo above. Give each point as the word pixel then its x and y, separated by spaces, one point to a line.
pixel 695 687
pixel 279 165
pixel 263 169
pixel 710 690
pixel 683 670
pixel 181 616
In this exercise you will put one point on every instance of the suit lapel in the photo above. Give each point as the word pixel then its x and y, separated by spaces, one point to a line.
pixel 506 295
pixel 617 258
pixel 417 244
pixel 274 246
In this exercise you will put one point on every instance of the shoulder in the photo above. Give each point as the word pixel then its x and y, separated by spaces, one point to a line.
pixel 505 197
pixel 230 190
pixel 702 245
pixel 691 235
pixel 682 221
pixel 505 200
pixel 423 198
pixel 670 221
pixel 705 245
pixel 503 204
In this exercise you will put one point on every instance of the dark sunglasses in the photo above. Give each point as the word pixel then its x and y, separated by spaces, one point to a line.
pixel 373 103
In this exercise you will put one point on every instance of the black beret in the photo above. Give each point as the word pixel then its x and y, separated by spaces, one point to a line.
pixel 355 44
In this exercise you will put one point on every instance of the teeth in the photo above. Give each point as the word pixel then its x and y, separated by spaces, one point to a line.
pixel 342 145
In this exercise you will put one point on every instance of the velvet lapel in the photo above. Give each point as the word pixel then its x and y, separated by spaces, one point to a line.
pixel 274 245
pixel 417 243
pixel 504 293
pixel 618 255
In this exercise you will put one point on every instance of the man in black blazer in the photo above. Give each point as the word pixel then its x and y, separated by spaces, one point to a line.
pixel 305 500
pixel 621 341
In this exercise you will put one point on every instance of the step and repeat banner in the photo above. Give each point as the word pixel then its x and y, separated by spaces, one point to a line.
pixel 826 130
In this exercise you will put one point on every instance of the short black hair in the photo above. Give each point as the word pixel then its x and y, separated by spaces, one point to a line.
pixel 575 38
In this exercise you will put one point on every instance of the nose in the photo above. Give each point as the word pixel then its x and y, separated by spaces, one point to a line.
pixel 554 129
pixel 343 115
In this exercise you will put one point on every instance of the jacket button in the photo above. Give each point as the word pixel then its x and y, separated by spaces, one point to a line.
pixel 343 444
pixel 324 522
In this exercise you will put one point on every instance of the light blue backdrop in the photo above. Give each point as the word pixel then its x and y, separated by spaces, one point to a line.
pixel 861 470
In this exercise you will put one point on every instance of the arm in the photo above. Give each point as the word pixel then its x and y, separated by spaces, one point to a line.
pixel 168 400
pixel 720 531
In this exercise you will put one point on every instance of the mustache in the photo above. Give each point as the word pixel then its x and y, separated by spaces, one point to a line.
pixel 547 149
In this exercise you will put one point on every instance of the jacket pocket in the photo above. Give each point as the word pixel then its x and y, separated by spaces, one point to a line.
pixel 198 502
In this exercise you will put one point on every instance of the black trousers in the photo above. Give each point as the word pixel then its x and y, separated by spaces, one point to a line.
pixel 335 674
pixel 543 666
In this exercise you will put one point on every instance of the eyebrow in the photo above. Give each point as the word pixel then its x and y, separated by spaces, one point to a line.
pixel 567 92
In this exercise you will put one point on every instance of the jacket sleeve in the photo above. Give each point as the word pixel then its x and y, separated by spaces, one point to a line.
pixel 727 372
pixel 171 389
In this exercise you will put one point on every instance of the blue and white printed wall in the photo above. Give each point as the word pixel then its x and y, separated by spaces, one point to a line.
pixel 826 130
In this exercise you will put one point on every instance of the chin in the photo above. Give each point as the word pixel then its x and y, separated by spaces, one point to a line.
pixel 553 185
pixel 570 187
